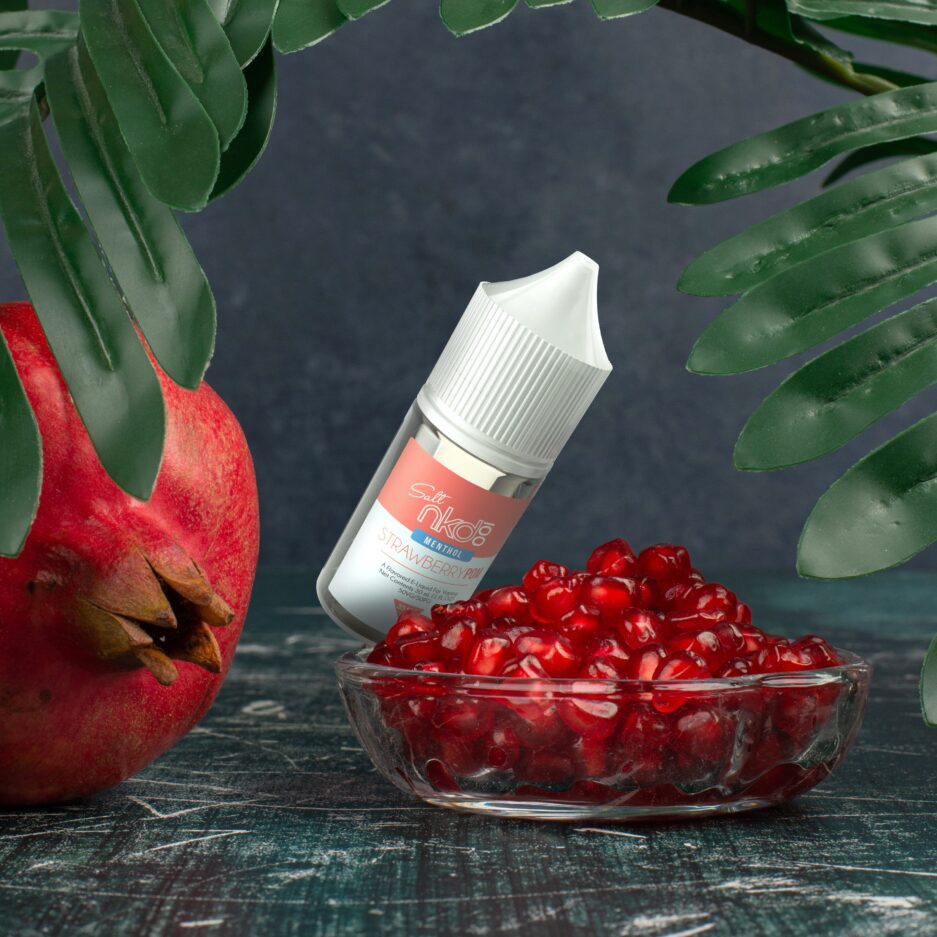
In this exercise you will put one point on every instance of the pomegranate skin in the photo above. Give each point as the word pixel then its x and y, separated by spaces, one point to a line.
pixel 71 722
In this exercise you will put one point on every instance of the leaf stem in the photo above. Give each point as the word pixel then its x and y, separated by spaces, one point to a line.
pixel 726 19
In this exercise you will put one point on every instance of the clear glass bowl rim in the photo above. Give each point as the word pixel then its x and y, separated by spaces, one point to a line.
pixel 353 666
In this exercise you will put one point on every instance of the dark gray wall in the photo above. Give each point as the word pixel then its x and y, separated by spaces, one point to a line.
pixel 405 167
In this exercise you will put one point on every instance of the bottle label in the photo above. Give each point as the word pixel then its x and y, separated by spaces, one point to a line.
pixel 429 538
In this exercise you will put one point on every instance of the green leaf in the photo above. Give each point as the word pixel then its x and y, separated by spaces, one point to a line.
pixel 97 348
pixel 466 16
pixel 875 202
pixel 615 9
pixel 781 155
pixel 908 34
pixel 879 514
pixel 836 396
pixel 928 685
pixel 249 144
pixel 807 304
pixel 193 40
pixel 173 140
pixel 908 11
pixel 21 465
pixel 44 32
pixel 355 9
pixel 299 24
pixel 247 24
pixel 149 255
pixel 542 4
pixel 9 59
pixel 913 146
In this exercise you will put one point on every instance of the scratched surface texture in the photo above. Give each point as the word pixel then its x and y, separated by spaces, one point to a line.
pixel 268 819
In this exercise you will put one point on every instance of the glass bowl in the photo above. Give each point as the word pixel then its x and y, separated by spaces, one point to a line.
pixel 579 749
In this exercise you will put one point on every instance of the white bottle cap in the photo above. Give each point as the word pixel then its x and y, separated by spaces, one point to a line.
pixel 521 368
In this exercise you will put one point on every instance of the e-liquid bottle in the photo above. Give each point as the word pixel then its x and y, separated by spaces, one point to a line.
pixel 515 378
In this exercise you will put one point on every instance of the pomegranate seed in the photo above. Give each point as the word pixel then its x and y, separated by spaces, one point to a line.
pixel 615 558
pixel 384 655
pixel 580 624
pixel 422 645
pixel 704 644
pixel 740 667
pixel 457 636
pixel 553 600
pixel 611 595
pixel 665 561
pixel 471 608
pixel 609 646
pixel 511 629
pixel 407 625
pixel 508 602
pixel 605 668
pixel 648 593
pixel 590 713
pixel 440 777
pixel 709 599
pixel 820 653
pixel 460 757
pixel 755 640
pixel 743 614
pixel 670 593
pixel 642 738
pixel 463 718
pixel 638 628
pixel 555 653
pixel 683 665
pixel 489 654
pixel 701 741
pixel 501 748
pixel 432 666
pixel 646 664
pixel 545 767
pixel 783 658
pixel 591 758
pixel 542 571
pixel 731 638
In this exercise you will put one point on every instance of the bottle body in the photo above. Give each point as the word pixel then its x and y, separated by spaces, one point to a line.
pixel 427 528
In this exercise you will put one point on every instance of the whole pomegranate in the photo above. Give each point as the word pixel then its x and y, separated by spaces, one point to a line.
pixel 119 619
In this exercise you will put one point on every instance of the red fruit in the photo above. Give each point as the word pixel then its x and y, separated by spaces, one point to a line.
pixel 456 636
pixel 580 624
pixel 743 614
pixel 665 562
pixel 819 652
pixel 432 666
pixel 407 625
pixel 440 777
pixel 604 668
pixel 615 558
pixel 462 718
pixel 609 647
pixel 471 608
pixel 508 602
pixel 490 652
pixel 683 665
pixel 704 644
pixel 701 743
pixel 384 655
pixel 611 595
pixel 591 757
pixel 731 638
pixel 552 600
pixel 421 646
pixel 646 664
pixel 639 628
pixel 461 757
pixel 555 653
pixel 755 639
pixel 501 748
pixel 709 600
pixel 542 571
pixel 648 593
pixel 740 667
pixel 783 658
pixel 642 738
pixel 590 710
pixel 119 617
pixel 542 766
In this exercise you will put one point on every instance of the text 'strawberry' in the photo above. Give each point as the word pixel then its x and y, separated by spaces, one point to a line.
pixel 542 571
pixel 615 558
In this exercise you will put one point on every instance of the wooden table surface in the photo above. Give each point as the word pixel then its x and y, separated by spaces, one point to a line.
pixel 268 818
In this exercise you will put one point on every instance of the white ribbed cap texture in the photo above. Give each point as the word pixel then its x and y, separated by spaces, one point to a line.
pixel 521 368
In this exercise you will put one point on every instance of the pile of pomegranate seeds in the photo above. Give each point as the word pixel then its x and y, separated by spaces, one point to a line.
pixel 649 616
